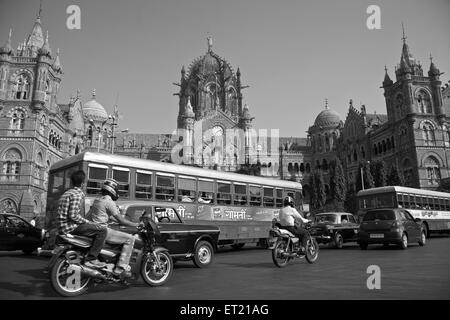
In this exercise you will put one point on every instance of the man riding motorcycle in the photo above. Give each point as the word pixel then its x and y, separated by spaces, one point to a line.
pixel 101 210
pixel 288 220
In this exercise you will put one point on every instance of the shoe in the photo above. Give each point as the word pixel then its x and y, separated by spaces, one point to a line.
pixel 94 264
pixel 121 272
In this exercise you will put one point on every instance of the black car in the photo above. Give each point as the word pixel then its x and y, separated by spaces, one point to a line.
pixel 386 226
pixel 184 241
pixel 335 228
pixel 18 234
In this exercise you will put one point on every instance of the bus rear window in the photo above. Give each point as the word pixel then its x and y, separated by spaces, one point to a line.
pixel 122 176
pixel 143 185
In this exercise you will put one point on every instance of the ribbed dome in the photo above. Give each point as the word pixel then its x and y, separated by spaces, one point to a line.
pixel 327 117
pixel 94 110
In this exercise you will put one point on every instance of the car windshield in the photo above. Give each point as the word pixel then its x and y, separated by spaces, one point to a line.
pixel 326 218
pixel 379 215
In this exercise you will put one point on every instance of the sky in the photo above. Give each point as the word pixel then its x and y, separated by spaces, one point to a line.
pixel 293 54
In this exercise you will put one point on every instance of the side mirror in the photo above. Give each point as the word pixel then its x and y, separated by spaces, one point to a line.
pixel 417 220
pixel 308 214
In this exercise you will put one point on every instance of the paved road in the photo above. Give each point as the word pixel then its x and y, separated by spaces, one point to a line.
pixel 416 273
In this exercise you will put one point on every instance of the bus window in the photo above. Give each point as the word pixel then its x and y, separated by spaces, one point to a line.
pixel 240 194
pixel 205 191
pixel 122 176
pixel 268 200
pixel 362 203
pixel 447 205
pixel 418 203
pixel 400 202
pixel 143 184
pixel 279 198
pixel 165 187
pixel 186 189
pixel 57 183
pixel 68 173
pixel 255 196
pixel 384 201
pixel 96 177
pixel 223 192
pixel 406 201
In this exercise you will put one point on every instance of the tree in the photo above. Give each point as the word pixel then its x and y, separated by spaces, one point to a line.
pixel 395 177
pixel 379 173
pixel 350 200
pixel 338 185
pixel 318 194
pixel 250 169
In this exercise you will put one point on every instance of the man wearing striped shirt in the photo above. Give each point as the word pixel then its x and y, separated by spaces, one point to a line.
pixel 71 221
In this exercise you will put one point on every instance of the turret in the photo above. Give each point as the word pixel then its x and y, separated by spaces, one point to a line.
pixel 7 51
pixel 435 82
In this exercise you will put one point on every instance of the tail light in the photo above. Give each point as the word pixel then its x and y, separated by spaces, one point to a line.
pixel 395 225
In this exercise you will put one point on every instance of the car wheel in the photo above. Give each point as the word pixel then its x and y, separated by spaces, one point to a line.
pixel 423 239
pixel 427 231
pixel 338 241
pixel 404 242
pixel 363 245
pixel 203 255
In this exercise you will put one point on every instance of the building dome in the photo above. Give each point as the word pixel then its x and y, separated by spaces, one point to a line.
pixel 327 117
pixel 94 110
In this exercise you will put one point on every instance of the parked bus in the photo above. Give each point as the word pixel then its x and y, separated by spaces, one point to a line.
pixel 432 207
pixel 242 206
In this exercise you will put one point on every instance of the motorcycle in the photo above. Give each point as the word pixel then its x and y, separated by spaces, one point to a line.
pixel 285 246
pixel 69 277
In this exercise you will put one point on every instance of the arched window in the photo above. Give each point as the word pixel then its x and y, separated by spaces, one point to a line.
pixel 424 102
pixel 433 170
pixel 355 155
pixel 392 142
pixel 384 145
pixel 334 141
pixel 308 168
pixel 379 148
pixel 8 206
pixel 11 165
pixel 90 135
pixel 302 167
pixel 319 142
pixel 22 87
pixel 363 152
pixel 17 120
pixel 428 134
pixel 324 164
pixel 375 149
pixel 296 168
pixel 290 168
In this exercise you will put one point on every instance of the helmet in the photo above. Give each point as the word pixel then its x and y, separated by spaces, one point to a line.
pixel 112 187
pixel 288 201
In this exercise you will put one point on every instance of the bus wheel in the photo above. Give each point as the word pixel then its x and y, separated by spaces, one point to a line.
pixel 203 254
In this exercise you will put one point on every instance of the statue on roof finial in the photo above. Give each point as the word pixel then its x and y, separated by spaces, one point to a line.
pixel 209 39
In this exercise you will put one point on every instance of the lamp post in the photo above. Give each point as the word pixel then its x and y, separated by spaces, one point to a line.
pixel 99 130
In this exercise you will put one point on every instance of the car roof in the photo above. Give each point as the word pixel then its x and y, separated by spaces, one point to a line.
pixel 335 213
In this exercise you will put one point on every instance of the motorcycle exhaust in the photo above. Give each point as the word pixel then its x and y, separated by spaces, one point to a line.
pixel 88 271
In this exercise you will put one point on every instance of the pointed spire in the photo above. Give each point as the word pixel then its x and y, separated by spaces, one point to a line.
pixel 78 94
pixel 238 73
pixel 7 47
pixel 350 103
pixel 93 94
pixel 387 80
pixel 46 50
pixel 57 63
pixel 326 104
pixel 404 36
pixel 210 43
pixel 434 71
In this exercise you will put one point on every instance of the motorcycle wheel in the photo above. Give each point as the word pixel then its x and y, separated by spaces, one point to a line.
pixel 66 283
pixel 156 275
pixel 312 250
pixel 278 260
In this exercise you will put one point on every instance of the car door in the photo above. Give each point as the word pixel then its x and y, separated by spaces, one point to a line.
pixel 175 234
pixel 6 235
pixel 414 227
pixel 353 227
pixel 22 235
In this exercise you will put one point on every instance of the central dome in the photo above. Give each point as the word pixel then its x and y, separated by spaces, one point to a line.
pixel 327 117
pixel 94 110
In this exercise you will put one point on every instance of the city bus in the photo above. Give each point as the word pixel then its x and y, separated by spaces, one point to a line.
pixel 432 207
pixel 242 206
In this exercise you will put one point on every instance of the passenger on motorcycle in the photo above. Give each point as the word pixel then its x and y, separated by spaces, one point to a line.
pixel 101 210
pixel 71 221
pixel 290 219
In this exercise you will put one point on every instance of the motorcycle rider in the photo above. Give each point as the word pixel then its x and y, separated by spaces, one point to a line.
pixel 101 210
pixel 289 217
pixel 70 219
